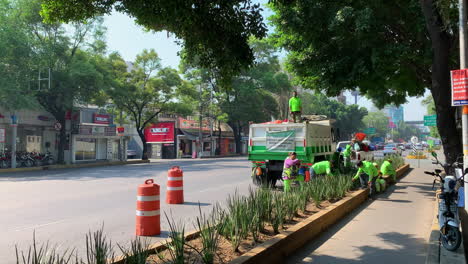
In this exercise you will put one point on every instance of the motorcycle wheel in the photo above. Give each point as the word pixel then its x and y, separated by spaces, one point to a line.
pixel 50 161
pixel 452 240
pixel 28 163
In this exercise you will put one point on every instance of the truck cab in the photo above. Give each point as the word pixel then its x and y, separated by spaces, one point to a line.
pixel 270 144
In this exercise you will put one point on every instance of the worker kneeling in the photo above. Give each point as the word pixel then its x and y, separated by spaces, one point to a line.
pixel 367 174
pixel 291 171
pixel 321 168
pixel 380 183
pixel 387 170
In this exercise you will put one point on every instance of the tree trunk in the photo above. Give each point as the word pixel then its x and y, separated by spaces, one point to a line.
pixel 62 138
pixel 237 138
pixel 218 146
pixel 440 88
pixel 141 133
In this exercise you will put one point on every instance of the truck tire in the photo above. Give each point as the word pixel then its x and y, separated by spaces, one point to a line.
pixel 272 177
pixel 258 180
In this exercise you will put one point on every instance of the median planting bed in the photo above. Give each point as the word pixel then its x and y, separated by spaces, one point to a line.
pixel 242 224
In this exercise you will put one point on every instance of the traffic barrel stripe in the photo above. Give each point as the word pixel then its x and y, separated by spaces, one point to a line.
pixel 148 198
pixel 147 213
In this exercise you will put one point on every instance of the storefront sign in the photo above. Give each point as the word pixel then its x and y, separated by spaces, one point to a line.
pixel 193 124
pixel 120 131
pixel 282 141
pixel 162 132
pixel 94 130
pixel 101 119
pixel 2 135
pixel 43 118
pixel 459 87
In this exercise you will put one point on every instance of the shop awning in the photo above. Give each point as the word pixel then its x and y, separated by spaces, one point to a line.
pixel 192 135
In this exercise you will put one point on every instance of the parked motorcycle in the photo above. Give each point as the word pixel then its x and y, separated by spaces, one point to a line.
pixel 449 221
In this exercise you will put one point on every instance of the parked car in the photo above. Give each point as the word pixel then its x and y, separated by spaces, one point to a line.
pixel 392 148
pixel 380 146
pixel 131 154
pixel 419 146
pixel 401 146
pixel 408 146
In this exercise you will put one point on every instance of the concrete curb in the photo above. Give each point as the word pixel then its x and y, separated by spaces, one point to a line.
pixel 283 244
pixel 85 165
pixel 436 253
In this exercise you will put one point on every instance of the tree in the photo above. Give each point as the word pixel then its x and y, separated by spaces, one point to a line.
pixel 146 91
pixel 349 118
pixel 389 49
pixel 405 131
pixel 15 60
pixel 216 32
pixel 431 110
pixel 77 73
pixel 379 121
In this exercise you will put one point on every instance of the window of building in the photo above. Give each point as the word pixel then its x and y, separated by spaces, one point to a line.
pixel 85 149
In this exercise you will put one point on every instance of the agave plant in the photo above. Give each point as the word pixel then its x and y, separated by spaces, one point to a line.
pixel 137 253
pixel 210 231
pixel 98 247
pixel 176 244
pixel 43 253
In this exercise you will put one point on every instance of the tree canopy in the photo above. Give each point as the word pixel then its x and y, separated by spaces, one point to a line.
pixel 216 32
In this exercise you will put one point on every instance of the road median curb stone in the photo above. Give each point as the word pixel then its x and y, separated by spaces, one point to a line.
pixel 274 250
pixel 85 165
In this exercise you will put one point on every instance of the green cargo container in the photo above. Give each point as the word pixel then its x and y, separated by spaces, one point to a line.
pixel 269 145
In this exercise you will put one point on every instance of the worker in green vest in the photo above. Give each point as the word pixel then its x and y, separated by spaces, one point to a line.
pixel 291 171
pixel 387 170
pixel 295 106
pixel 321 168
pixel 380 183
pixel 367 174
pixel 347 156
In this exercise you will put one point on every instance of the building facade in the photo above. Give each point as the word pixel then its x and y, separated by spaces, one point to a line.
pixel 395 114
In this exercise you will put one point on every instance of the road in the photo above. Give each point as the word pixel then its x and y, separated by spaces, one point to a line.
pixel 61 206
pixel 392 229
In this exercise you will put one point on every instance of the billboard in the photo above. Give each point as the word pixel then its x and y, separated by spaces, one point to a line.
pixel 193 124
pixel 101 119
pixel 459 87
pixel 161 132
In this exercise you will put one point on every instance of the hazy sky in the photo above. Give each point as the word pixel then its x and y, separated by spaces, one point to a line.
pixel 129 39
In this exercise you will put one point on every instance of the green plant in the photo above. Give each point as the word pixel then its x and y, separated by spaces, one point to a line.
pixel 176 244
pixel 278 212
pixel 209 233
pixel 137 253
pixel 236 224
pixel 98 247
pixel 43 254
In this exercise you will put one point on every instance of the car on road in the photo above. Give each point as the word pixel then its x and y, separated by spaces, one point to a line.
pixel 380 146
pixel 401 146
pixel 419 146
pixel 392 148
pixel 131 154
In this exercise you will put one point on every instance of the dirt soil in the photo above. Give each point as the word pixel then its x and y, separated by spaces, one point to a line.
pixel 225 252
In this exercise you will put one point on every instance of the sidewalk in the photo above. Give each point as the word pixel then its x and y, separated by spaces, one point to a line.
pixel 392 229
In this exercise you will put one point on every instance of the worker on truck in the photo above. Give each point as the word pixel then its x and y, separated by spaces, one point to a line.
pixel 290 171
pixel 321 168
pixel 295 106
pixel 347 156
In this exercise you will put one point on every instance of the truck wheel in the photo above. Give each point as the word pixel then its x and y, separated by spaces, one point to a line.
pixel 272 178
pixel 258 180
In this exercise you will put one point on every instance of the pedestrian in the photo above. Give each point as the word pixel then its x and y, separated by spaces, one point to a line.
pixel 387 170
pixel 290 171
pixel 321 168
pixel 367 174
pixel 295 106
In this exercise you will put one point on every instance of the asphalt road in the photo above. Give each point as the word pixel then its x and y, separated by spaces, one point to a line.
pixel 62 206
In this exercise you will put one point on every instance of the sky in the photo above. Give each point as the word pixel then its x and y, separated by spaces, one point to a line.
pixel 129 39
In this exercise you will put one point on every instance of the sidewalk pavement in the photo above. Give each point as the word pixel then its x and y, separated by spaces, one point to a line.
pixel 394 228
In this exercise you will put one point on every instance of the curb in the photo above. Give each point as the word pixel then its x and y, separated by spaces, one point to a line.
pixel 276 248
pixel 69 166
pixel 436 253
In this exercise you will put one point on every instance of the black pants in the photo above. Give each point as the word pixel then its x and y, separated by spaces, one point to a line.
pixel 364 179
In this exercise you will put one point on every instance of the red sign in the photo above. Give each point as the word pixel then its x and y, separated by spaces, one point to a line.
pixel 120 130
pixel 459 87
pixel 162 132
pixel 101 119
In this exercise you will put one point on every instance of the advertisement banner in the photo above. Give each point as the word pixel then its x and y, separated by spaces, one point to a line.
pixel 193 124
pixel 459 87
pixel 162 132
pixel 281 141
pixel 101 119
pixel 2 135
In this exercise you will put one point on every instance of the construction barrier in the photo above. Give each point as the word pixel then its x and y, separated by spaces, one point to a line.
pixel 148 217
pixel 175 186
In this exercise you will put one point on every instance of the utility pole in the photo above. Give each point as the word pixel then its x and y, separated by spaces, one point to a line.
pixel 121 140
pixel 462 31
pixel 200 133
pixel 14 127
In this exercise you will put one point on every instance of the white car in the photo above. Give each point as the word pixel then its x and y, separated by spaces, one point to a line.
pixel 392 148
pixel 419 146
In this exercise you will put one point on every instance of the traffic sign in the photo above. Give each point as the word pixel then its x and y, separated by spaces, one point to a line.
pixel 430 120
pixel 414 139
pixel 370 131
pixel 57 126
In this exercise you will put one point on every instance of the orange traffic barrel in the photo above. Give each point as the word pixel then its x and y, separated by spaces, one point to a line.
pixel 175 186
pixel 148 217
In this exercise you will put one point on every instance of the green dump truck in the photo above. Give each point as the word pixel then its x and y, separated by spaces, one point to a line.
pixel 270 143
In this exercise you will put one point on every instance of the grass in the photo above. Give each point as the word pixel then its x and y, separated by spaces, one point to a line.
pixel 209 233
pixel 176 243
pixel 137 253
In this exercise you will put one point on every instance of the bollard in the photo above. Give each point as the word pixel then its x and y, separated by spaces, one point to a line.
pixel 148 217
pixel 175 186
